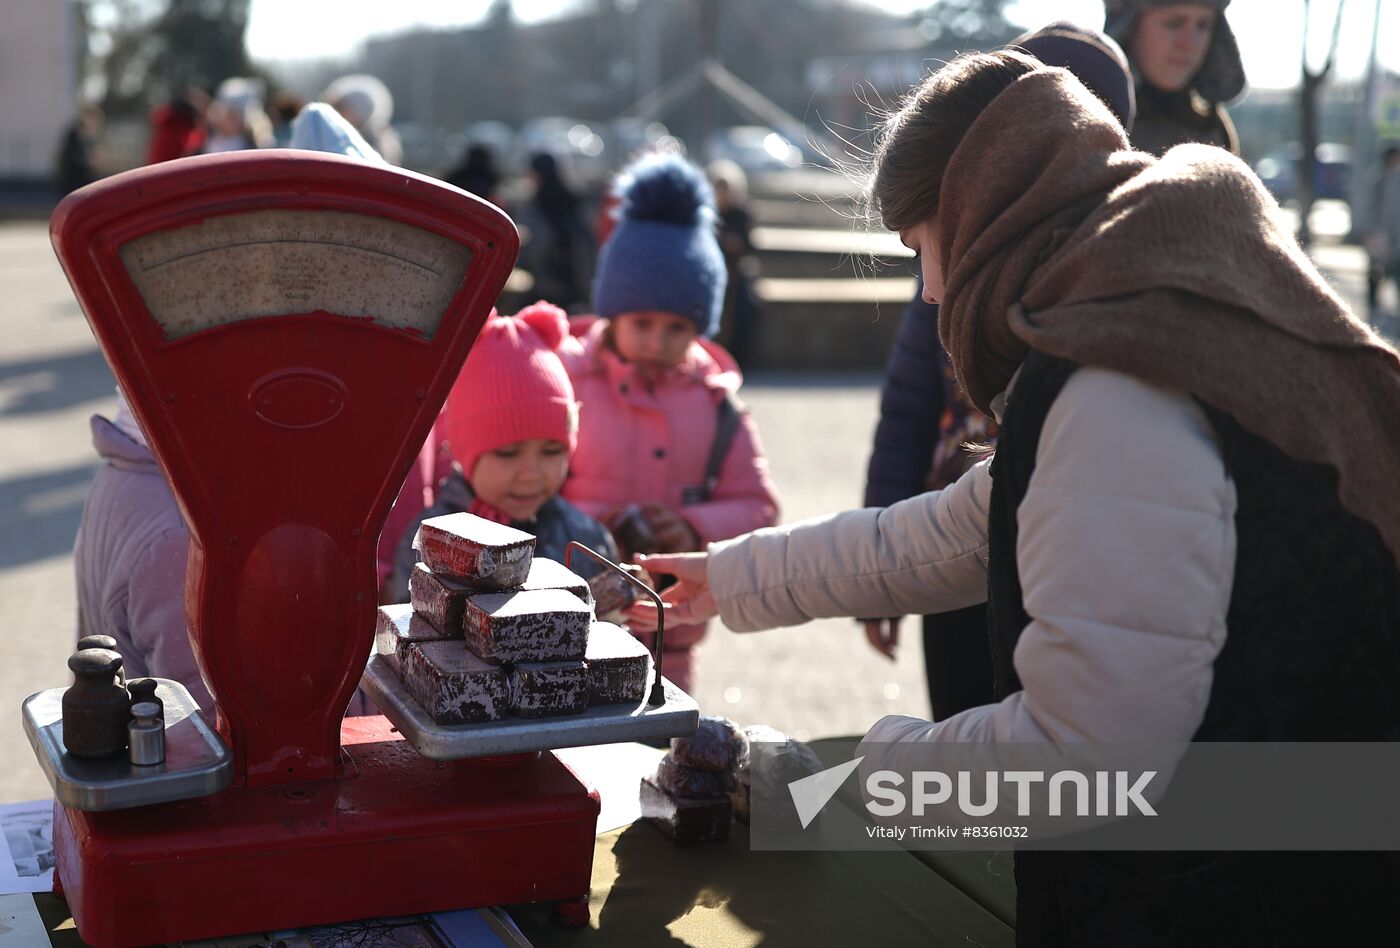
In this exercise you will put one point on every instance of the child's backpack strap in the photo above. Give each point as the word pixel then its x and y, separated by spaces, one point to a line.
pixel 730 410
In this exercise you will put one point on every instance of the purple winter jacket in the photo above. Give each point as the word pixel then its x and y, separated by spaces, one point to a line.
pixel 130 559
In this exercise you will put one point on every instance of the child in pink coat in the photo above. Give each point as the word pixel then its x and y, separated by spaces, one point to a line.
pixel 667 457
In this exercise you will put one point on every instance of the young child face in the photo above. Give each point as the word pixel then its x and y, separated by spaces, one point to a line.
pixel 518 478
pixel 653 339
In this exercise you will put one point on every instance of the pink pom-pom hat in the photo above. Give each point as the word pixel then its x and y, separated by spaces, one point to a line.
pixel 513 387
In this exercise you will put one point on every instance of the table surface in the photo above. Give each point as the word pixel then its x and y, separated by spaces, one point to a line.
pixel 647 891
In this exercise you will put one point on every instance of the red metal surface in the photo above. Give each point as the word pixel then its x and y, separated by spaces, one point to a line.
pixel 399 835
pixel 573 913
pixel 281 588
pixel 284 506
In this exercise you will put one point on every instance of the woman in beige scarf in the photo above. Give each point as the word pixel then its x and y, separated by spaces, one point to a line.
pixel 1191 528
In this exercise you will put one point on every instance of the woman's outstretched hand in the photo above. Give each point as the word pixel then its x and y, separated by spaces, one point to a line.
pixel 687 602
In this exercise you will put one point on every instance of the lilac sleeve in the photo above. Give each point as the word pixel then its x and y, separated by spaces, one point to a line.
pixel 156 614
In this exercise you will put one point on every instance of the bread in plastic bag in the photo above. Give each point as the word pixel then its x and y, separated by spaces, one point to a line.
pixel 683 781
pixel 717 744
pixel 613 595
pixel 774 761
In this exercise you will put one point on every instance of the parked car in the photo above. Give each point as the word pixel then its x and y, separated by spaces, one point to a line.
pixel 426 147
pixel 755 148
pixel 578 147
pixel 1332 180
pixel 629 136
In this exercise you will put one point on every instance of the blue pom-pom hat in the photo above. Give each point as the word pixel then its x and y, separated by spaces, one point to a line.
pixel 663 254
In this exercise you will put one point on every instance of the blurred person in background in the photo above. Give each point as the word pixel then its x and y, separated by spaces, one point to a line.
pixel 1186 66
pixel 367 104
pixel 285 108
pixel 1381 228
pixel 477 173
pixel 927 426
pixel 177 126
pixel 741 310
pixel 236 118
pixel 559 249
pixel 318 127
pixel 76 163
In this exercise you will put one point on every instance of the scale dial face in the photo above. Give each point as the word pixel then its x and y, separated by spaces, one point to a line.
pixel 269 263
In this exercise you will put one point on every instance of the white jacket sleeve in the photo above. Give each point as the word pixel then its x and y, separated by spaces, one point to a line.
pixel 925 554
pixel 1126 552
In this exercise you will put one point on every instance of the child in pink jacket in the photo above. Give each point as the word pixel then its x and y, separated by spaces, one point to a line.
pixel 666 457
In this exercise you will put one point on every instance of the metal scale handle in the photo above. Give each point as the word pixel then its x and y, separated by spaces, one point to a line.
pixel 658 695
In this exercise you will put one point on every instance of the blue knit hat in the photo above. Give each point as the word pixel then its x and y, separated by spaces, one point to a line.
pixel 663 254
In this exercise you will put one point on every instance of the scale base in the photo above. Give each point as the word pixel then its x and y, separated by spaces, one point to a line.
pixel 399 835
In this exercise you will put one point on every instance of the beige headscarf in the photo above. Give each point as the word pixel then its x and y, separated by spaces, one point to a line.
pixel 1054 236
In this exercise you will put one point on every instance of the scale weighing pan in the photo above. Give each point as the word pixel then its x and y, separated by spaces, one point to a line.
pixel 196 762
pixel 286 326
pixel 664 712
pixel 677 716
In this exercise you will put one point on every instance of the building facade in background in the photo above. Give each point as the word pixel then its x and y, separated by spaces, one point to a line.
pixel 40 56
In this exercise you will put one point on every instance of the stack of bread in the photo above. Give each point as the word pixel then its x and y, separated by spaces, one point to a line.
pixel 712 776
pixel 688 798
pixel 493 631
pixel 778 760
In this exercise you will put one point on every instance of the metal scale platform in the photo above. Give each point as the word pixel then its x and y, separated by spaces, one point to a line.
pixel 677 714
pixel 286 326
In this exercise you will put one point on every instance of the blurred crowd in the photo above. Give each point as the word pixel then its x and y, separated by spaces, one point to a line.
pixel 544 177
pixel 1167 72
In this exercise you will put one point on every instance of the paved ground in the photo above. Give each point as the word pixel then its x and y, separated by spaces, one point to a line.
pixel 818 680
pixel 51 379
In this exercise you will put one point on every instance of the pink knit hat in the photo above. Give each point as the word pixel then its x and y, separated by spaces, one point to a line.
pixel 513 387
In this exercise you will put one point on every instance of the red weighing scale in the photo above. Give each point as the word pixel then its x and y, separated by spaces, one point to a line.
pixel 286 326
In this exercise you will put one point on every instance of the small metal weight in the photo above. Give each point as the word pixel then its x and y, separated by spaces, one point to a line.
pixel 96 709
pixel 144 690
pixel 147 734
pixel 101 641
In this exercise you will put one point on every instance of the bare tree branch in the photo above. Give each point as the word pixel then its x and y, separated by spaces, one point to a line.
pixel 1312 82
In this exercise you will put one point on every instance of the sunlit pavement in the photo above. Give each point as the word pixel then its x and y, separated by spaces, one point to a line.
pixel 817 680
